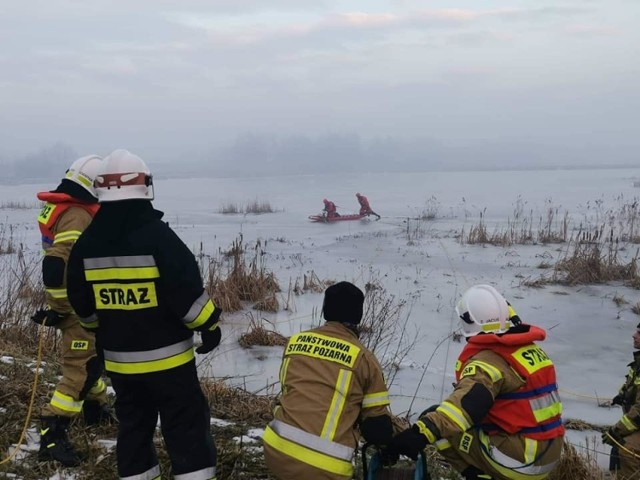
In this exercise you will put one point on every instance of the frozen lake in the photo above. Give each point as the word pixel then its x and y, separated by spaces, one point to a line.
pixel 589 336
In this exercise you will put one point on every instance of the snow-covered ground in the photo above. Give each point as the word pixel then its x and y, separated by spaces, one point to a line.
pixel 589 336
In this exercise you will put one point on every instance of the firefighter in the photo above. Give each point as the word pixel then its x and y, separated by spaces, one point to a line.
pixel 502 420
pixel 138 286
pixel 330 210
pixel 67 212
pixel 365 208
pixel 331 386
pixel 624 436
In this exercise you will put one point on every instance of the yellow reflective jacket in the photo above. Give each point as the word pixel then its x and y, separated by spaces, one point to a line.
pixel 329 382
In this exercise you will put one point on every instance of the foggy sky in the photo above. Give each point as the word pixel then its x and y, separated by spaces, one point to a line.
pixel 194 79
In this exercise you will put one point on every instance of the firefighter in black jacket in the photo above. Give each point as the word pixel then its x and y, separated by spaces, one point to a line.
pixel 137 285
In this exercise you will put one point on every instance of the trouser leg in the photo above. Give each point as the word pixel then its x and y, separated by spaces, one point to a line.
pixel 80 372
pixel 138 414
pixel 185 423
pixel 630 458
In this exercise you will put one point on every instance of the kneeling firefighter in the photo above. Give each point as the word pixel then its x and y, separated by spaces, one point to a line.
pixel 331 385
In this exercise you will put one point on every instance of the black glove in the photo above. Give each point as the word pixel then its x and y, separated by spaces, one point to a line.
pixel 409 442
pixel 210 340
pixel 617 400
pixel 48 318
pixel 387 458
pixel 611 436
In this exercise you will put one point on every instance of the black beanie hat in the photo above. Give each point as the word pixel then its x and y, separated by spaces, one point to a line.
pixel 343 303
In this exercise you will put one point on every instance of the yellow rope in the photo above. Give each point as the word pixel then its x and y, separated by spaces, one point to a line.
pixel 580 395
pixel 622 447
pixel 31 400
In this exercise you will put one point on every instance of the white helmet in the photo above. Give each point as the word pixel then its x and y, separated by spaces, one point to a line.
pixel 483 309
pixel 83 172
pixel 125 176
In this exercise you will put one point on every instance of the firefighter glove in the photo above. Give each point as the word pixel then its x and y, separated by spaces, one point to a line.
pixel 48 318
pixel 612 437
pixel 409 442
pixel 210 340
pixel 617 400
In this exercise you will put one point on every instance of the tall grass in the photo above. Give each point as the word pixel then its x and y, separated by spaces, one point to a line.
pixel 240 274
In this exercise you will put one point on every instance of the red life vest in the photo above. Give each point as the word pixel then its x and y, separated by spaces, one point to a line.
pixel 533 410
pixel 57 204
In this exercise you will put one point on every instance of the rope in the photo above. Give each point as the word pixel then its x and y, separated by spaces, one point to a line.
pixel 580 395
pixel 27 421
pixel 622 447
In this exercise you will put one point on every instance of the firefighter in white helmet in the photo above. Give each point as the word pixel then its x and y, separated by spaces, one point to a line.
pixel 502 420
pixel 67 212
pixel 138 286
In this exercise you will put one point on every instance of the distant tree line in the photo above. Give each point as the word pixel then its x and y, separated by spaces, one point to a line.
pixel 46 164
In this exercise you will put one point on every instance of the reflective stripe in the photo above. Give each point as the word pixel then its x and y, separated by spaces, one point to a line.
pixel 98 387
pixel 455 415
pixel 530 450
pixel 546 407
pixel 274 437
pixel 152 474
pixel 137 273
pixel 492 371
pixel 66 402
pixel 120 262
pixel 337 404
pixel 283 374
pixel 310 440
pixel 376 399
pixel 149 361
pixel 68 236
pixel 442 444
pixel 426 431
pixel 628 423
pixel 200 311
pixel 132 267
pixel 208 473
pixel 511 468
pixel 90 322
pixel 56 292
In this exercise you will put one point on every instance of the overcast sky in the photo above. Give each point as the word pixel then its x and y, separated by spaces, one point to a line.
pixel 172 77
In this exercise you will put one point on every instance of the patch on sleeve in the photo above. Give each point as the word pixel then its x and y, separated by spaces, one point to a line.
pixel 468 371
pixel 465 442
pixel 79 345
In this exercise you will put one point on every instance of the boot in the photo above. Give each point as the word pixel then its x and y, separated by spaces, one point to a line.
pixel 54 444
pixel 95 413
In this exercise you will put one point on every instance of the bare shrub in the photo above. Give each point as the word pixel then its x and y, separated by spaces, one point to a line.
pixel 258 207
pixel 230 208
pixel 636 308
pixel 18 205
pixel 258 334
pixel 595 259
pixel 234 403
pixel 574 466
pixel 477 233
pixel 254 207
pixel 384 328
pixel 552 228
pixel 430 209
pixel 238 275
pixel 619 300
